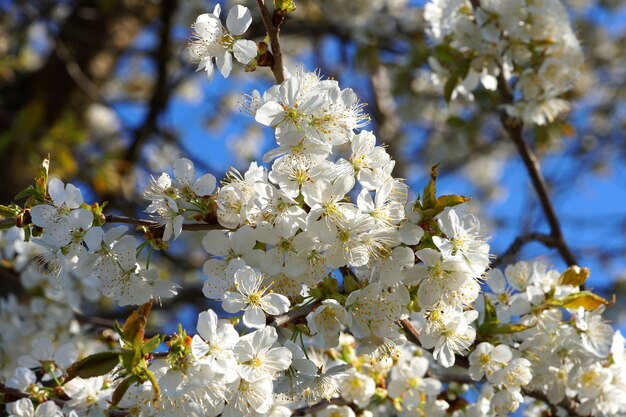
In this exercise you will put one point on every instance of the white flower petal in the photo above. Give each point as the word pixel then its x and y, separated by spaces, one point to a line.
pixel 244 50
pixel 238 20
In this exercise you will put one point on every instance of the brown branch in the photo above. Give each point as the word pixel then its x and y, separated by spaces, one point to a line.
pixel 318 407
pixel 410 332
pixel 519 242
pixel 161 88
pixel 153 224
pixel 388 123
pixel 514 128
pixel 73 69
pixel 294 314
pixel 273 34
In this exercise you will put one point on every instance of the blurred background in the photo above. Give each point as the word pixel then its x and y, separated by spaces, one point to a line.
pixel 105 88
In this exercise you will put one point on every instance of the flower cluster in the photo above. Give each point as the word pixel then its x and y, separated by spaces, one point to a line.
pixel 536 350
pixel 215 372
pixel 528 45
pixel 72 251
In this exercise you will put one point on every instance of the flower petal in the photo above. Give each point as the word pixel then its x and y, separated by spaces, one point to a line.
pixel 238 20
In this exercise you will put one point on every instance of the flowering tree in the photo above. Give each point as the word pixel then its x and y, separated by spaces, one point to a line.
pixel 336 290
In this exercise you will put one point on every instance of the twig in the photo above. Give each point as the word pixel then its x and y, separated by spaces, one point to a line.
pixel 519 242
pixel 153 224
pixel 388 123
pixel 75 72
pixel 318 407
pixel 294 314
pixel 272 33
pixel 161 89
pixel 410 332
pixel 514 128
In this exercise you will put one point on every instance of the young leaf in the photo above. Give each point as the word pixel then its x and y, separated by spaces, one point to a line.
pixel 151 345
pixel 586 299
pixel 93 365
pixel 449 200
pixel 134 328
pixel 121 389
pixel 491 328
pixel 429 199
pixel 490 311
pixel 574 275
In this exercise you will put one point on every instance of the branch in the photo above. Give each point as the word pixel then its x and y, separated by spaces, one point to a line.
pixel 520 241
pixel 410 332
pixel 514 128
pixel 161 89
pixel 388 123
pixel 273 33
pixel 294 314
pixel 318 407
pixel 153 224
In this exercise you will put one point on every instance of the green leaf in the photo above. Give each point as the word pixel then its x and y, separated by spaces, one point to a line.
pixel 449 86
pixel 121 389
pixel 586 299
pixel 490 311
pixel 574 275
pixel 93 365
pixel 285 6
pixel 429 199
pixel 448 56
pixel 130 359
pixel 491 328
pixel 151 345
pixel 450 200
pixel 134 328
pixel 350 284
pixel 30 191
pixel 10 210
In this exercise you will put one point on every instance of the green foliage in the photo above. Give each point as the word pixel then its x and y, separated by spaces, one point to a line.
pixel 94 365
pixel 134 353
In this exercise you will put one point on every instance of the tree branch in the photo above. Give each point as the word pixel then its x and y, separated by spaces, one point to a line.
pixel 294 314
pixel 273 33
pixel 410 332
pixel 153 224
pixel 514 128
pixel 519 242
pixel 160 89
pixel 310 409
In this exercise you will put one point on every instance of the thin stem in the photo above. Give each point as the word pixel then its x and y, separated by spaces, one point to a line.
pixel 156 225
pixel 273 34
pixel 519 242
pixel 294 314
pixel 149 257
pixel 410 332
